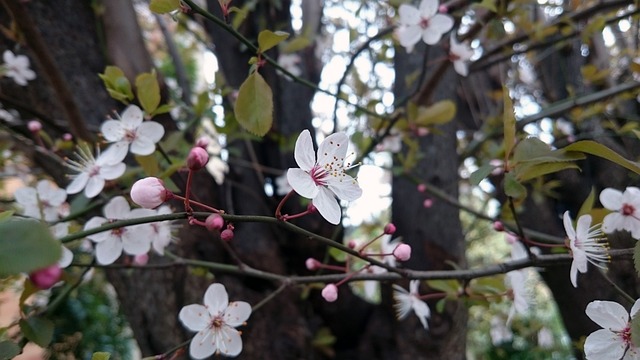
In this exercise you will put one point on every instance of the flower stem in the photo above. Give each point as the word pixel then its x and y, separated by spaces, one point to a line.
pixel 279 208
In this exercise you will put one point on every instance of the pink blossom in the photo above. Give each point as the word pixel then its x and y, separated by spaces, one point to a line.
pixel 47 277
pixel 214 222
pixel 197 158
pixel 402 252
pixel 34 126
pixel 312 264
pixel 330 293
pixel 149 192
pixel 390 229
pixel 226 235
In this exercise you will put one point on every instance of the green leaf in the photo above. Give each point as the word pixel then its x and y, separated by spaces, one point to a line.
pixel 29 289
pixel 100 356
pixel 451 287
pixel 162 109
pixel 9 350
pixel 268 39
pixel 241 14
pixel 117 84
pixel 440 305
pixel 149 164
pixel 594 148
pixel 509 125
pixel 635 328
pixel 164 6
pixel 513 188
pixel 587 205
pixel 254 106
pixel 534 150
pixel 294 45
pixel 26 245
pixel 636 256
pixel 439 113
pixel 148 91
pixel 39 330
pixel 483 171
pixel 5 215
pixel 525 172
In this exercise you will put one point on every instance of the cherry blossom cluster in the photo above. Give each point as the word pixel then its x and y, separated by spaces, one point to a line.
pixel 16 67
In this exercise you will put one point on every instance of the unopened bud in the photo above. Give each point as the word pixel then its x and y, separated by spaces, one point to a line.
pixel 34 126
pixel 389 229
pixel 330 293
pixel 352 244
pixel 67 137
pixel 141 259
pixel 422 188
pixel 47 277
pixel 498 226
pixel 197 158
pixel 226 235
pixel 149 192
pixel 427 203
pixel 214 222
pixel 202 142
pixel 402 252
pixel 312 264
pixel 443 9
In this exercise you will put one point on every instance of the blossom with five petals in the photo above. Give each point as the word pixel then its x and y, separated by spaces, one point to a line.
pixel 323 177
pixel 215 323
pixel 134 240
pixel 613 341
pixel 586 244
pixel 92 172
pixel 17 68
pixel 161 232
pixel 460 54
pixel 406 301
pixel 44 202
pixel 130 132
pixel 421 23
pixel 626 210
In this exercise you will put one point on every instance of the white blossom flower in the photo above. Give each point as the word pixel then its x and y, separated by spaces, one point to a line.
pixel 134 240
pixel 130 132
pixel 17 68
pixel 517 280
pixel 44 202
pixel 424 23
pixel 215 323
pixel 406 301
pixel 613 341
pixel 545 338
pixel 626 210
pixel 60 230
pixel 460 54
pixel 586 244
pixel 161 231
pixel 290 63
pixel 323 177
pixel 499 332
pixel 92 172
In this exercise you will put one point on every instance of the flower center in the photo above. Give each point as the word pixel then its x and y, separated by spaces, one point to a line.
pixel 95 170
pixel 626 335
pixel 130 135
pixel 216 322
pixel 628 210
pixel 319 174
pixel 424 23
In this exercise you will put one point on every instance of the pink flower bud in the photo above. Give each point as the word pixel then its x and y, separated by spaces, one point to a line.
pixel 402 252
pixel 141 260
pixel 427 203
pixel 34 126
pixel 422 188
pixel 330 293
pixel 214 222
pixel 67 137
pixel 312 264
pixel 352 244
pixel 149 192
pixel 422 131
pixel 389 229
pixel 202 142
pixel 197 158
pixel 498 226
pixel 443 9
pixel 226 235
pixel 47 277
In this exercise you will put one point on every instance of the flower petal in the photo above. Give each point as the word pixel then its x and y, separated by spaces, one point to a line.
pixel 303 153
pixel 136 240
pixel 582 227
pixel 461 67
pixel 328 206
pixel 132 117
pixel 108 251
pixel 95 184
pixel 110 172
pixel 422 311
pixel 216 299
pixel 611 199
pixel 117 208
pixel 142 146
pixel 608 314
pixel 151 130
pixel 115 153
pixel 26 196
pixel 203 345
pixel 302 183
pixel 112 130
pixel 409 15
pixel 428 8
pixel 612 222
pixel 194 317
pixel 568 226
pixel 346 187
pixel 333 149
pixel 603 344
pixel 431 36
pixel 635 308
pixel 66 258
pixel 408 36
pixel 229 341
pixel 78 183
pixel 237 313
pixel 441 23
